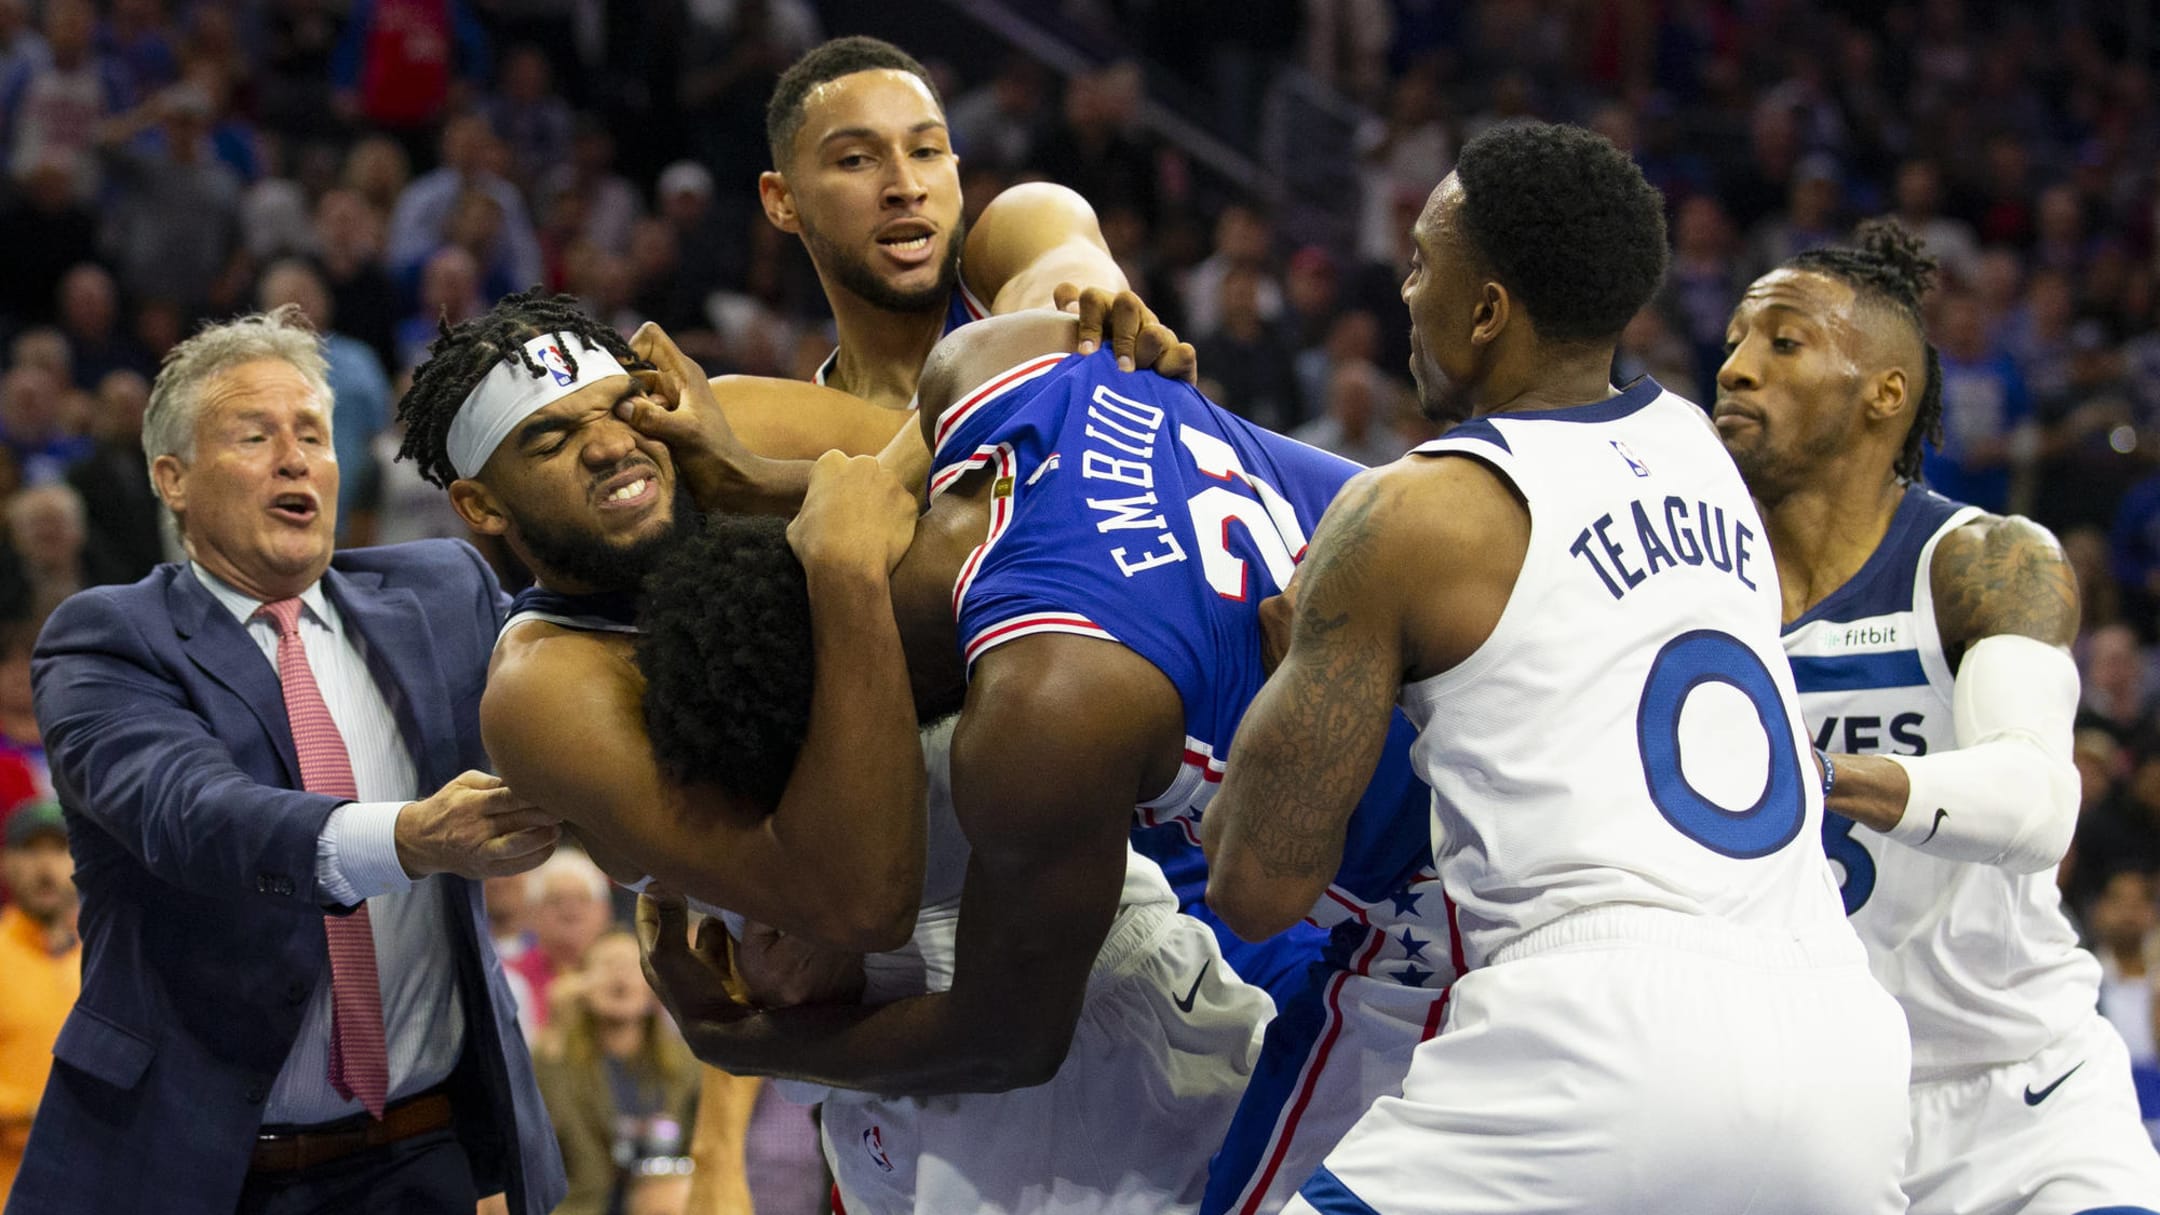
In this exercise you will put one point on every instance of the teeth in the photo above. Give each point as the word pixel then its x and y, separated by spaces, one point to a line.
pixel 629 491
pixel 911 244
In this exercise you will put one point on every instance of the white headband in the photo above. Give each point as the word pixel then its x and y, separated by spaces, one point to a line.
pixel 510 394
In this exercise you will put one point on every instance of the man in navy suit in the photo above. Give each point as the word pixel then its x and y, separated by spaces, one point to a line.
pixel 290 1002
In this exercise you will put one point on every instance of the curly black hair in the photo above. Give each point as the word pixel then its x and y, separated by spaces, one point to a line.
pixel 724 646
pixel 830 61
pixel 1566 222
pixel 1891 266
pixel 462 355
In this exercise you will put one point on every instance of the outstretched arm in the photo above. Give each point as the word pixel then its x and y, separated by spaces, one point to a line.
pixel 2006 607
pixel 1047 834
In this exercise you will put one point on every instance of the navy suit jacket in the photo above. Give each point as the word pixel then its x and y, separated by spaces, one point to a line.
pixel 195 855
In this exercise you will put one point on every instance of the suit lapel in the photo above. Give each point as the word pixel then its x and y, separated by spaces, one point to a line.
pixel 221 647
pixel 401 655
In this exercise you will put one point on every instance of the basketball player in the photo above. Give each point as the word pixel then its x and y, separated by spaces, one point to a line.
pixel 863 172
pixel 1084 590
pixel 537 454
pixel 514 413
pixel 1928 639
pixel 1662 1009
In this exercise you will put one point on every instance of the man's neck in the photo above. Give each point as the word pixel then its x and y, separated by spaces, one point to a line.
pixel 1559 380
pixel 1821 534
pixel 881 351
pixel 56 932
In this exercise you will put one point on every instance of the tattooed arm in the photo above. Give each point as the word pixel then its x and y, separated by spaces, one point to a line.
pixel 2002 575
pixel 2006 606
pixel 1405 577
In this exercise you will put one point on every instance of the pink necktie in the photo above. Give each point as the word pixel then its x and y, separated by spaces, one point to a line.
pixel 359 1062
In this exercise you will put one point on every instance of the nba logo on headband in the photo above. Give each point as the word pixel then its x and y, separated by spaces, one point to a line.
pixel 552 359
pixel 511 392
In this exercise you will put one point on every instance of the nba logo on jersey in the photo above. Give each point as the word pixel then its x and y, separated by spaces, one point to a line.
pixel 1634 462
pixel 552 359
pixel 874 1143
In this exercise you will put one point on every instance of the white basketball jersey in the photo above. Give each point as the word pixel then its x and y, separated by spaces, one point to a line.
pixel 1982 959
pixel 1629 733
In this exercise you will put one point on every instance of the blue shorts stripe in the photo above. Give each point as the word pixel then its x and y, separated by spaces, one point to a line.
pixel 1329 1196
pixel 2118 1211
pixel 1291 1039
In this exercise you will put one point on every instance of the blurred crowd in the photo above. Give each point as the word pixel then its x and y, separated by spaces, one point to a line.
pixel 389 165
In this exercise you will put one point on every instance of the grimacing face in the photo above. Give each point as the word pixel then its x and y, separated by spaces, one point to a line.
pixel 579 489
pixel 873 187
pixel 258 497
pixel 1788 394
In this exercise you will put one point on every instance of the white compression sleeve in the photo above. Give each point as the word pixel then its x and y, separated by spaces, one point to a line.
pixel 2008 795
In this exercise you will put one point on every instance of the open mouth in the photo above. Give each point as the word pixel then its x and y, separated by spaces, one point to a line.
pixel 630 489
pixel 907 240
pixel 297 509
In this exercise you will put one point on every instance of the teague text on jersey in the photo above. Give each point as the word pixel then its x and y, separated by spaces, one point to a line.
pixel 1627 548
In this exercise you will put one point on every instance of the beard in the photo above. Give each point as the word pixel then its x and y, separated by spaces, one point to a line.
pixel 603 565
pixel 852 271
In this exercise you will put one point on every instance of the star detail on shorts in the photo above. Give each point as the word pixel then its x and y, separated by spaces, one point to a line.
pixel 1405 902
pixel 1413 975
pixel 1413 949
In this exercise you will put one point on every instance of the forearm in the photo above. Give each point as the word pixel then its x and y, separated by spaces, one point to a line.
pixel 854 807
pixel 2008 794
pixel 918 1047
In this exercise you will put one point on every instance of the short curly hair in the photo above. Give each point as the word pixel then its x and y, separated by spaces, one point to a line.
pixel 830 61
pixel 724 645
pixel 1891 266
pixel 1567 223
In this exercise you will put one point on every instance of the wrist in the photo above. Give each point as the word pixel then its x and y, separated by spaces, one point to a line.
pixel 411 858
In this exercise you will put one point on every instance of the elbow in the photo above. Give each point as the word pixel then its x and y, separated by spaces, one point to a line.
pixel 1022 1065
pixel 879 922
pixel 1255 909
pixel 2047 840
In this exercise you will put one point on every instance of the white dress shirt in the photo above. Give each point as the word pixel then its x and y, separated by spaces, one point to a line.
pixel 356 859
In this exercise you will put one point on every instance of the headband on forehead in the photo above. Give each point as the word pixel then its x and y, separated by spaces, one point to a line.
pixel 510 394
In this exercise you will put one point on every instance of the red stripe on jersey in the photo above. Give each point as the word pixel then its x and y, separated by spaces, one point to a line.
pixel 981 396
pixel 1287 1127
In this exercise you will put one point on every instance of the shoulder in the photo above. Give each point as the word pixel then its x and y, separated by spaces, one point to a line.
pixel 2003 574
pixel 583 679
pixel 969 356
pixel 100 610
pixel 1450 497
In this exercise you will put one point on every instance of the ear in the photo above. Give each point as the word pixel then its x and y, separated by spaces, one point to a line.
pixel 1884 394
pixel 478 507
pixel 779 202
pixel 170 477
pixel 1490 317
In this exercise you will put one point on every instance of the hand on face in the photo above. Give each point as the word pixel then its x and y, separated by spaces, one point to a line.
pixel 683 413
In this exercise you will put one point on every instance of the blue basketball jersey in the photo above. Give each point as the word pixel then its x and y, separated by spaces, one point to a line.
pixel 1129 508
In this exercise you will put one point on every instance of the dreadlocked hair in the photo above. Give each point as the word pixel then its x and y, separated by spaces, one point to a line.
pixel 463 354
pixel 1892 266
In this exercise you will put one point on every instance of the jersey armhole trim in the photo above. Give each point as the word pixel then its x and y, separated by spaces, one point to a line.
pixel 1029 624
pixel 989 390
